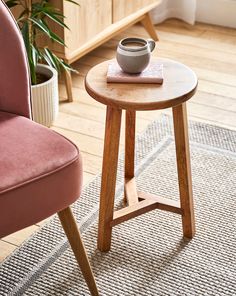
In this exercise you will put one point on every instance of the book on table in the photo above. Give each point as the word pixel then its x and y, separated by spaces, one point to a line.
pixel 152 74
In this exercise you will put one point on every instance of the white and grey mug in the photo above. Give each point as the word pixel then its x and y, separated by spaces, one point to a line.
pixel 133 54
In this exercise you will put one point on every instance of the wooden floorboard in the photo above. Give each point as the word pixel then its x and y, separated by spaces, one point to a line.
pixel 209 50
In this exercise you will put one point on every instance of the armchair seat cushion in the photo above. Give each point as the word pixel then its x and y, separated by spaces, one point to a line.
pixel 39 168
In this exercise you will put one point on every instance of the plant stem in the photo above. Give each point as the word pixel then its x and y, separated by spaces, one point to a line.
pixel 30 23
pixel 23 4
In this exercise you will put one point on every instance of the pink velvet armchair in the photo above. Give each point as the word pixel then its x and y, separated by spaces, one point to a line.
pixel 40 171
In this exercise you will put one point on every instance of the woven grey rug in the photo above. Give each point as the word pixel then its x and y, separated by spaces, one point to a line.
pixel 148 255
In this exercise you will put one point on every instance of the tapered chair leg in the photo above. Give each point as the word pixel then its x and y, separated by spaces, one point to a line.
pixel 73 234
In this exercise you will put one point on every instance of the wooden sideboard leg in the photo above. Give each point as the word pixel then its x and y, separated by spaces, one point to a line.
pixel 68 82
pixel 109 171
pixel 148 25
pixel 184 169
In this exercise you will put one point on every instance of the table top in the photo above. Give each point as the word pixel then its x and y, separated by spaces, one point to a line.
pixel 179 85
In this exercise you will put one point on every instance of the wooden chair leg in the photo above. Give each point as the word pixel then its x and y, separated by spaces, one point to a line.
pixel 131 195
pixel 184 169
pixel 68 82
pixel 149 27
pixel 73 234
pixel 109 171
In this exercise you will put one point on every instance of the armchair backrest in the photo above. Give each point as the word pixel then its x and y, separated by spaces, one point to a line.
pixel 14 74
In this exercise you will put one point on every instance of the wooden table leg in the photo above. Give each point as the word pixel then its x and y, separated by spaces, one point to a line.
pixel 184 169
pixel 68 82
pixel 109 171
pixel 149 27
pixel 131 195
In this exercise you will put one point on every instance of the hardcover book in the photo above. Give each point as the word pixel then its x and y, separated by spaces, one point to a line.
pixel 152 74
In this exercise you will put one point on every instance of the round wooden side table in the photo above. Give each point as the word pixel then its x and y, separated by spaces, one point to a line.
pixel 179 85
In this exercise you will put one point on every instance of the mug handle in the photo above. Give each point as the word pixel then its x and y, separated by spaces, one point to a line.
pixel 151 44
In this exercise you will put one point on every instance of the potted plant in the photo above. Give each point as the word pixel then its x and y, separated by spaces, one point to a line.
pixel 33 18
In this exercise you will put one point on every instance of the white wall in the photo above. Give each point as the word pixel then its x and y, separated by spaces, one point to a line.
pixel 183 9
pixel 218 12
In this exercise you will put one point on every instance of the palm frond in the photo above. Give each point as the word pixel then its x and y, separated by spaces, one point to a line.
pixel 34 21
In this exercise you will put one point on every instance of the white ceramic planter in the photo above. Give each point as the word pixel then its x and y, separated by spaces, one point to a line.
pixel 45 99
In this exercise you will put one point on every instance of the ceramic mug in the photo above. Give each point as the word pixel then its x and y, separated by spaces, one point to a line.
pixel 133 54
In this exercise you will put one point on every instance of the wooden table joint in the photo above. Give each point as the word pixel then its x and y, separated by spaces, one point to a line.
pixel 147 202
pixel 131 194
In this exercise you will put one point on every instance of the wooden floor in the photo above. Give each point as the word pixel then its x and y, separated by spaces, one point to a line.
pixel 209 50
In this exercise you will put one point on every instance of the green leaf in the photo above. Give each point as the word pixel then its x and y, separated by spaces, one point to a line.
pixel 42 26
pixel 55 19
pixel 35 54
pixel 26 37
pixel 53 36
pixel 32 66
pixel 33 73
pixel 44 58
pixel 71 1
pixel 40 11
pixel 53 58
pixel 56 62
pixel 56 38
pixel 67 67
pixel 37 22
